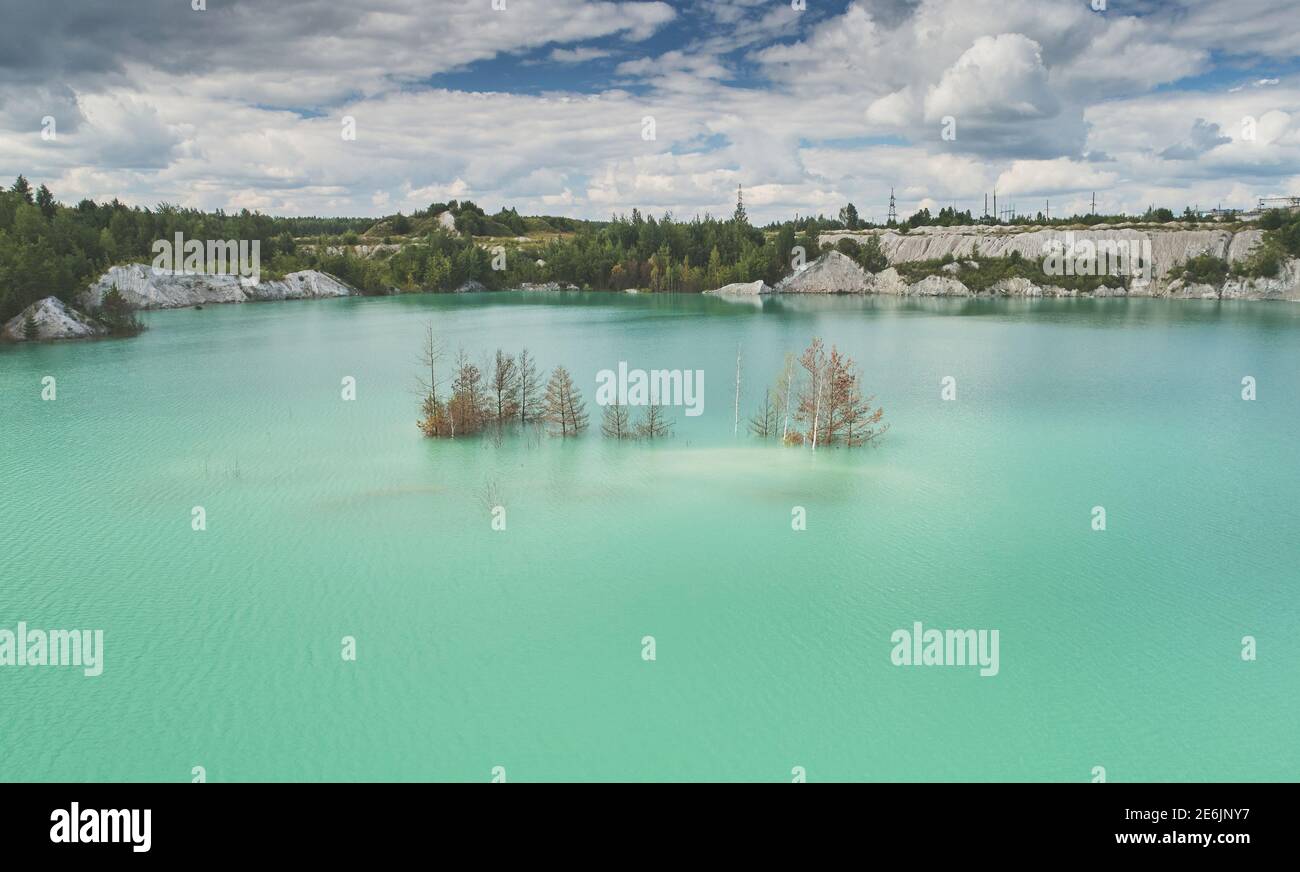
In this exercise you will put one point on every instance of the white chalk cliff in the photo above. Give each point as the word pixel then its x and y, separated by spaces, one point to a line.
pixel 1169 248
pixel 835 273
pixel 144 288
pixel 832 273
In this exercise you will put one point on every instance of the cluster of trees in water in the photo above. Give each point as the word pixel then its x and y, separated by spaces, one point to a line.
pixel 817 400
pixel 468 399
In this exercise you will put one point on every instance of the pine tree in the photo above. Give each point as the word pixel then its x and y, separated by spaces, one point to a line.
pixel 831 401
pixel 562 405
pixel 45 202
pixel 505 388
pixel 654 424
pixel 616 422
pixel 468 406
pixel 22 188
pixel 809 406
pixel 784 394
pixel 849 217
pixel 529 388
pixel 765 420
pixel 434 420
pixel 31 330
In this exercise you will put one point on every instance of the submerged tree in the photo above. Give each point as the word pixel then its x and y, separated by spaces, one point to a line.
pixel 813 361
pixel 562 405
pixel 530 386
pixel 654 423
pixel 434 420
pixel 505 388
pixel 765 422
pixel 116 314
pixel 468 406
pixel 831 402
pixel 615 422
pixel 784 393
pixel 735 423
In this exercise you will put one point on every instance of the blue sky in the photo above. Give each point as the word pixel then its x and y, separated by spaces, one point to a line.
pixel 536 71
pixel 546 105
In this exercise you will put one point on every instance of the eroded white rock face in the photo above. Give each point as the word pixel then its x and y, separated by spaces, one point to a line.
pixel 1284 286
pixel 143 288
pixel 888 281
pixel 545 286
pixel 832 273
pixel 307 284
pixel 938 286
pixel 1169 250
pixel 54 320
pixel 741 289
pixel 1016 287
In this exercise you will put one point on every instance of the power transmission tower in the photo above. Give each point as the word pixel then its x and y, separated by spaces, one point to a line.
pixel 893 210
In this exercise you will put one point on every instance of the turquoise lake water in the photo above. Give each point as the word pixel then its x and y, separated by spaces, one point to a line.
pixel 523 648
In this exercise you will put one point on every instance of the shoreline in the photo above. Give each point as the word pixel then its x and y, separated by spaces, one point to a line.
pixel 833 274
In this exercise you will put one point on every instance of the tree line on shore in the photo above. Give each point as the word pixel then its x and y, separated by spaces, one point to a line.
pixel 48 248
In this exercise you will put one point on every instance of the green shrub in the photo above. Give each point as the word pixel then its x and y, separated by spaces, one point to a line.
pixel 118 317
pixel 849 247
pixel 988 271
pixel 1264 262
pixel 1205 269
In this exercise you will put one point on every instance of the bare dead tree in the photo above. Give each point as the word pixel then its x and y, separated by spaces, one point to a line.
pixel 735 426
pixel 813 361
pixel 530 388
pixel 763 424
pixel 615 422
pixel 785 390
pixel 431 353
pixel 504 385
pixel 434 420
pixel 562 405
pixel 654 423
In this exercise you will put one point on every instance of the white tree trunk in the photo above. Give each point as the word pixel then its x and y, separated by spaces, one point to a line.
pixel 735 427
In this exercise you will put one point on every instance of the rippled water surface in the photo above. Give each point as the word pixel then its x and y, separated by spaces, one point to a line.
pixel 522 648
